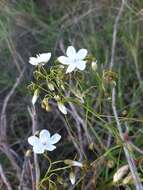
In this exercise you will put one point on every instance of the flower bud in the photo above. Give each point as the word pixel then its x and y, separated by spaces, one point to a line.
pixel 62 87
pixel 94 65
pixel 110 163
pixel 45 104
pixel 73 163
pixel 60 180
pixel 51 86
pixel 72 178
pixel 91 146
pixel 62 108
pixel 35 96
pixel 120 173
pixel 28 153
pixel 57 97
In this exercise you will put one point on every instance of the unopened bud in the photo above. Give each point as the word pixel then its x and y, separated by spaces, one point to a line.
pixel 62 108
pixel 110 163
pixel 73 163
pixel 91 146
pixel 51 86
pixel 94 65
pixel 120 173
pixel 28 153
pixel 45 104
pixel 72 178
pixel 62 87
pixel 35 96
pixel 60 180
pixel 57 97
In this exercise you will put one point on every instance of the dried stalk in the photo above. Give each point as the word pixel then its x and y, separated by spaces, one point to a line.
pixel 33 116
pixel 129 158
pixel 116 24
pixel 25 182
pixel 3 127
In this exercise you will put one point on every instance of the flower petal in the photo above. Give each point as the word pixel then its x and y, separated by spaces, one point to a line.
pixel 43 57
pixel 55 138
pixel 33 61
pixel 71 52
pixel 81 65
pixel 33 140
pixel 70 68
pixel 39 148
pixel 44 136
pixel 64 60
pixel 50 147
pixel 81 54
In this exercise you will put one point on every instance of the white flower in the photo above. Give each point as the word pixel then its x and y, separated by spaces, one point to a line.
pixel 35 96
pixel 62 108
pixel 44 141
pixel 40 59
pixel 74 59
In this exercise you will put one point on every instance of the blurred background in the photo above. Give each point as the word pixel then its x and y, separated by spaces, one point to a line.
pixel 36 26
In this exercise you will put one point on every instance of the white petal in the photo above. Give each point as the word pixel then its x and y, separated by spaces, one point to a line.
pixel 64 60
pixel 39 148
pixel 71 52
pixel 33 61
pixel 33 140
pixel 50 147
pixel 44 136
pixel 70 68
pixel 55 138
pixel 81 54
pixel 81 65
pixel 62 108
pixel 44 57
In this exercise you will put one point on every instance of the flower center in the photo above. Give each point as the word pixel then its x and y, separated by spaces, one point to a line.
pixel 75 60
pixel 44 143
